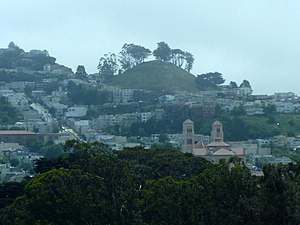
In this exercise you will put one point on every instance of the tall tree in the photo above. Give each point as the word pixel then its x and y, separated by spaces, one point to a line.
pixel 80 72
pixel 245 83
pixel 163 52
pixel 132 55
pixel 177 57
pixel 233 85
pixel 108 66
pixel 189 58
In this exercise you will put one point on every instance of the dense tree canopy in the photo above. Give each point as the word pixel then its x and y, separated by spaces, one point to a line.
pixel 81 95
pixel 80 72
pixel 8 113
pixel 163 52
pixel 209 80
pixel 90 185
pixel 8 57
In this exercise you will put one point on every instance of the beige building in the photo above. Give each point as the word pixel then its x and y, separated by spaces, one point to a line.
pixel 214 151
pixel 188 136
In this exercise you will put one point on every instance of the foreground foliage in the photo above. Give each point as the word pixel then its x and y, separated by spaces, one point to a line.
pixel 90 185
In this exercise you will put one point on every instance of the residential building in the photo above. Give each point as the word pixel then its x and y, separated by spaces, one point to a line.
pixel 76 111
pixel 17 136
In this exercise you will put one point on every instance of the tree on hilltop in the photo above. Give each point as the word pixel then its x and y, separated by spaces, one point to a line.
pixel 108 66
pixel 10 56
pixel 163 52
pixel 80 72
pixel 189 58
pixel 181 58
pixel 233 85
pixel 132 55
pixel 177 57
pixel 245 83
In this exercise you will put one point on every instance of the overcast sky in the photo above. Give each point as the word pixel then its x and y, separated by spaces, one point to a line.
pixel 257 40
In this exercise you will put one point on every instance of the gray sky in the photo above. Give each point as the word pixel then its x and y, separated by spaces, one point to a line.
pixel 257 40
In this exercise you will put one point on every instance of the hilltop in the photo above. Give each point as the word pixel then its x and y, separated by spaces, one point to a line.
pixel 19 65
pixel 156 75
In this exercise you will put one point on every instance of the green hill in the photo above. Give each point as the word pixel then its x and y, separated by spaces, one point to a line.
pixel 156 75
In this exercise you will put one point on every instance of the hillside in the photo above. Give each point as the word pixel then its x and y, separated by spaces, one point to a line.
pixel 156 75
pixel 18 65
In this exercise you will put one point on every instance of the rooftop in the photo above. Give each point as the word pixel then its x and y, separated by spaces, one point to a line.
pixel 217 123
pixel 218 144
pixel 188 121
pixel 223 151
pixel 14 132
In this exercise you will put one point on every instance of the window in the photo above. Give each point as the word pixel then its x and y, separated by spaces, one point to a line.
pixel 189 130
pixel 189 141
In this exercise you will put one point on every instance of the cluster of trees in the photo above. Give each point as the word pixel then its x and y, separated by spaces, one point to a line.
pixel 8 113
pixel 81 95
pixel 209 81
pixel 245 83
pixel 213 80
pixel 180 58
pixel 131 55
pixel 89 185
pixel 9 56
pixel 14 57
pixel 49 150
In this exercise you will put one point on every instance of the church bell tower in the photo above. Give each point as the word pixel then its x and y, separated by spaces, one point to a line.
pixel 217 134
pixel 188 136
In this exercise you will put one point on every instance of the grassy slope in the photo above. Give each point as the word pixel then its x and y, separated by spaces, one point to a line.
pixel 156 75
pixel 287 124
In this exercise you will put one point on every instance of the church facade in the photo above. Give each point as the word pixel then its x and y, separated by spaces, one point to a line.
pixel 214 151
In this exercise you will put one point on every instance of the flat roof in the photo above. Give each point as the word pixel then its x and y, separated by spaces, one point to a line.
pixel 14 132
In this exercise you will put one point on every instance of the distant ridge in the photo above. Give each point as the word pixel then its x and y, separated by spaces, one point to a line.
pixel 156 75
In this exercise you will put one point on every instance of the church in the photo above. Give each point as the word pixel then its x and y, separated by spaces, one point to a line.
pixel 214 151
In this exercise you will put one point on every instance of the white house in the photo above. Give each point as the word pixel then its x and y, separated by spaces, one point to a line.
pixel 285 107
pixel 76 111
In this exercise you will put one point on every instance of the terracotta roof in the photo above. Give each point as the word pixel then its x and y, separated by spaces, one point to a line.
pixel 14 132
pixel 200 151
pixel 199 145
pixel 238 151
pixel 218 144
pixel 223 151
